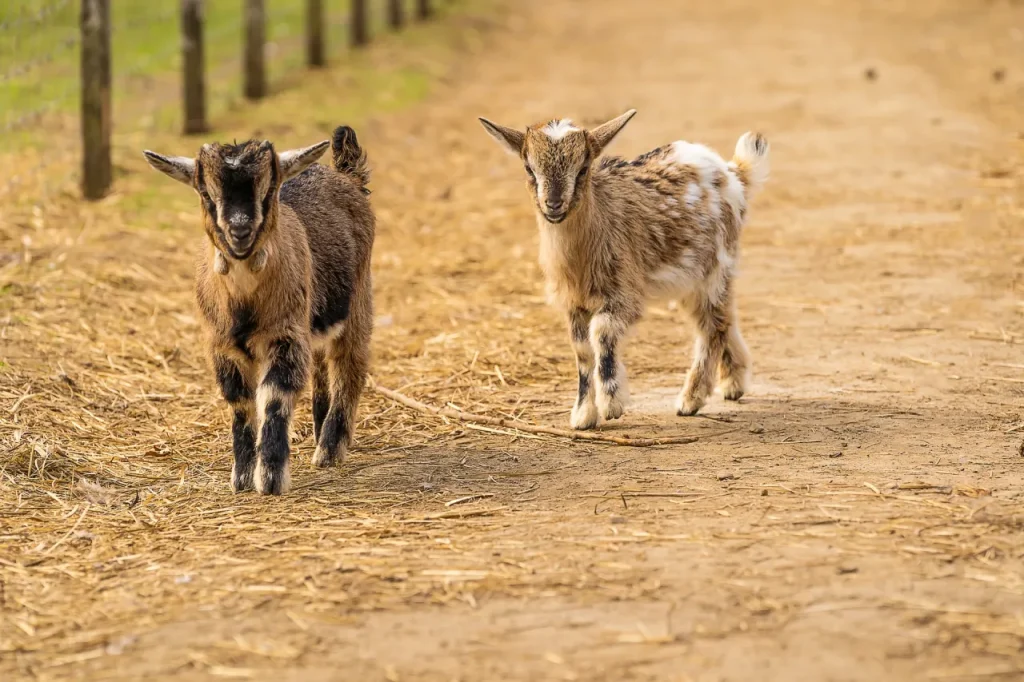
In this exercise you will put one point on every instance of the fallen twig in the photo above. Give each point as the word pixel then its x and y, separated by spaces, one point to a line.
pixel 529 428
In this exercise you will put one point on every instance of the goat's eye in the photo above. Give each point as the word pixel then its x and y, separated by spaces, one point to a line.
pixel 583 171
pixel 529 171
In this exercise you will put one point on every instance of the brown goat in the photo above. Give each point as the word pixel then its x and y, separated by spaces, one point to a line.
pixel 283 280
pixel 616 232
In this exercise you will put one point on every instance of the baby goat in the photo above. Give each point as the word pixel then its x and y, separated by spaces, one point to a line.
pixel 614 232
pixel 283 279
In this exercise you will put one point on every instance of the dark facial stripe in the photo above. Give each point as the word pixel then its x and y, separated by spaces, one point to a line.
pixel 238 193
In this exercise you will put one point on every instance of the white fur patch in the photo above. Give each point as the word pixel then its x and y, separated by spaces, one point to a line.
pixel 679 278
pixel 556 130
pixel 321 340
pixel 692 196
pixel 708 163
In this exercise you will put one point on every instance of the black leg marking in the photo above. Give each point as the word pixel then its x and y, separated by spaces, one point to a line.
pixel 321 394
pixel 274 449
pixel 288 371
pixel 584 390
pixel 245 452
pixel 232 383
pixel 335 432
pixel 321 404
pixel 243 325
pixel 606 365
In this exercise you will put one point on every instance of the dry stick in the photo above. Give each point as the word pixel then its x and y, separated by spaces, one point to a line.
pixel 529 428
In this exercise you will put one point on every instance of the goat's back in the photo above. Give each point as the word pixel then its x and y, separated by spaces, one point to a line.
pixel 339 227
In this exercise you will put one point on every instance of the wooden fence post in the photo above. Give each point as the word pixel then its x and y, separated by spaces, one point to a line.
pixel 97 170
pixel 359 23
pixel 255 37
pixel 396 13
pixel 423 9
pixel 193 66
pixel 315 33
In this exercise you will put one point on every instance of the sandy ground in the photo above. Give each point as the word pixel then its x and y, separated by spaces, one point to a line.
pixel 857 517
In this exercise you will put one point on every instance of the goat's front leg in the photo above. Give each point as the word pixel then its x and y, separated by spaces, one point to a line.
pixel 584 412
pixel 287 365
pixel 608 330
pixel 236 386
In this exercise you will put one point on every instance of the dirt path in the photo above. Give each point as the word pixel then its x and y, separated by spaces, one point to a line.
pixel 857 517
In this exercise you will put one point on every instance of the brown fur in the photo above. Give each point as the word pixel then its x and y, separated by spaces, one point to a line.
pixel 615 232
pixel 293 292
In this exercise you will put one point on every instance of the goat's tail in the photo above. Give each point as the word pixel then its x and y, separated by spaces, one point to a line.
pixel 751 161
pixel 349 157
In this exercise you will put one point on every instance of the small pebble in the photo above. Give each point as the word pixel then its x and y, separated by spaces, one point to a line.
pixel 764 493
pixel 836 454
pixel 617 520
pixel 726 476
pixel 870 73
pixel 847 570
pixel 998 75
pixel 757 429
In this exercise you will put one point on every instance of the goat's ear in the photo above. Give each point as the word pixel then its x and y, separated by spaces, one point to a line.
pixel 181 168
pixel 294 161
pixel 511 140
pixel 606 132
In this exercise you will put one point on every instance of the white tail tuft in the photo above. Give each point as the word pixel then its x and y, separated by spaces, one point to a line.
pixel 751 160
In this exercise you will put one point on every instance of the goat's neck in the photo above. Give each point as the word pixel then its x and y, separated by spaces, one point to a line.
pixel 241 278
pixel 566 253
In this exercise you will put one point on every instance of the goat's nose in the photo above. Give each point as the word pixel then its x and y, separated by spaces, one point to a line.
pixel 553 205
pixel 241 232
pixel 239 225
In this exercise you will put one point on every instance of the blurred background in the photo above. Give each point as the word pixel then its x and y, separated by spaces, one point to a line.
pixel 169 65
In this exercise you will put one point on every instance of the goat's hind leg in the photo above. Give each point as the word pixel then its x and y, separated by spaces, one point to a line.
pixel 321 393
pixel 734 369
pixel 348 360
pixel 712 322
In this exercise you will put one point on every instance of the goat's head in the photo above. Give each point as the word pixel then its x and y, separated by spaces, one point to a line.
pixel 558 157
pixel 238 185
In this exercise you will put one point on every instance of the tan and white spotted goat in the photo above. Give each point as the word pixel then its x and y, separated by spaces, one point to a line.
pixel 615 232
pixel 283 279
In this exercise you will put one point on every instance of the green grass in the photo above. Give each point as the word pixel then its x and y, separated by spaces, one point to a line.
pixel 39 54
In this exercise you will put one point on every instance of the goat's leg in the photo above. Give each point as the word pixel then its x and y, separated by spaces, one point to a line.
pixel 321 393
pixel 712 321
pixel 584 411
pixel 236 387
pixel 608 330
pixel 734 369
pixel 287 366
pixel 349 362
